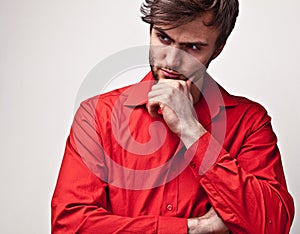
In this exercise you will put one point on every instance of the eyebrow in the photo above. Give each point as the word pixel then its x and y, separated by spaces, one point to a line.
pixel 197 43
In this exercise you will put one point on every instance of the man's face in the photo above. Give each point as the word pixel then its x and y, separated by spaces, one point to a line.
pixel 183 52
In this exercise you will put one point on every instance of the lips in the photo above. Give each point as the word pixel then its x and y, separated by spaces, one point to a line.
pixel 170 74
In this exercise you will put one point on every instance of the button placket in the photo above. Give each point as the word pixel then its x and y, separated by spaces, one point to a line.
pixel 169 206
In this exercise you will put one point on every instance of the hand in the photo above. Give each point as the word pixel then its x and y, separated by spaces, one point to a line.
pixel 174 99
pixel 208 223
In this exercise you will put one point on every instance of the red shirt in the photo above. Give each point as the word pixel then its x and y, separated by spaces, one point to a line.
pixel 125 172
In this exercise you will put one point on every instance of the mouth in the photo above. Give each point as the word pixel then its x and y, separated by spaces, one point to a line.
pixel 170 74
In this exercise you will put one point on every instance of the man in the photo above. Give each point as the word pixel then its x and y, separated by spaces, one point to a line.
pixel 174 153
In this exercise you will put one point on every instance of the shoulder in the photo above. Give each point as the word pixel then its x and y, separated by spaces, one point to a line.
pixel 250 106
pixel 253 114
pixel 240 105
pixel 104 99
pixel 99 108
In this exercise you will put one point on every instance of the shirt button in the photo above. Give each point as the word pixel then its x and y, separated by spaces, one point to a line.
pixel 169 207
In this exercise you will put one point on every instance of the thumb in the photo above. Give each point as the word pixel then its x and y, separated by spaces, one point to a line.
pixel 189 89
pixel 153 108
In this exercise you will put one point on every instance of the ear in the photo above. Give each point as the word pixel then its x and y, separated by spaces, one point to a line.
pixel 218 51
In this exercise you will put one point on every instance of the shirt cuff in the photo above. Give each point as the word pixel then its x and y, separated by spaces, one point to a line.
pixel 170 225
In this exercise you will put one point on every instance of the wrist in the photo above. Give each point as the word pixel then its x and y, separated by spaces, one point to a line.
pixel 196 226
pixel 190 134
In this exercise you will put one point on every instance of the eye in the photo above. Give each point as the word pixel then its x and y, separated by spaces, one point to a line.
pixel 193 47
pixel 164 39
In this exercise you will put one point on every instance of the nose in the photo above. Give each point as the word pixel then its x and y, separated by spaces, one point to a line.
pixel 173 58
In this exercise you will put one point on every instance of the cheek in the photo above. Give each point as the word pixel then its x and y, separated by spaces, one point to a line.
pixel 192 62
pixel 156 55
pixel 203 59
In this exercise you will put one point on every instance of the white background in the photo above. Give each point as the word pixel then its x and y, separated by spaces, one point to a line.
pixel 48 47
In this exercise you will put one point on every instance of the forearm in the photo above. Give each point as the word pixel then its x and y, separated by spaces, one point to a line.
pixel 85 220
pixel 249 194
pixel 247 204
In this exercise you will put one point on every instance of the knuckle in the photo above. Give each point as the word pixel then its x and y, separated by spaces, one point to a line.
pixel 176 85
pixel 170 92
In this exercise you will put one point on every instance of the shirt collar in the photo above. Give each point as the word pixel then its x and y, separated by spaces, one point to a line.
pixel 213 94
pixel 137 95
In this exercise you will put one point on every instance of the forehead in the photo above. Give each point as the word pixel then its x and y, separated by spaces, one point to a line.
pixel 200 29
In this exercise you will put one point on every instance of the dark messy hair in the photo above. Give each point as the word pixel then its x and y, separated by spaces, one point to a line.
pixel 179 12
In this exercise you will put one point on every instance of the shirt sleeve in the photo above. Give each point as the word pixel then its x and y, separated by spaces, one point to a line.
pixel 247 190
pixel 80 203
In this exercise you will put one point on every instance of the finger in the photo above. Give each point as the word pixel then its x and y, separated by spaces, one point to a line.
pixel 189 89
pixel 156 93
pixel 170 84
pixel 164 85
pixel 189 85
pixel 164 92
pixel 153 108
